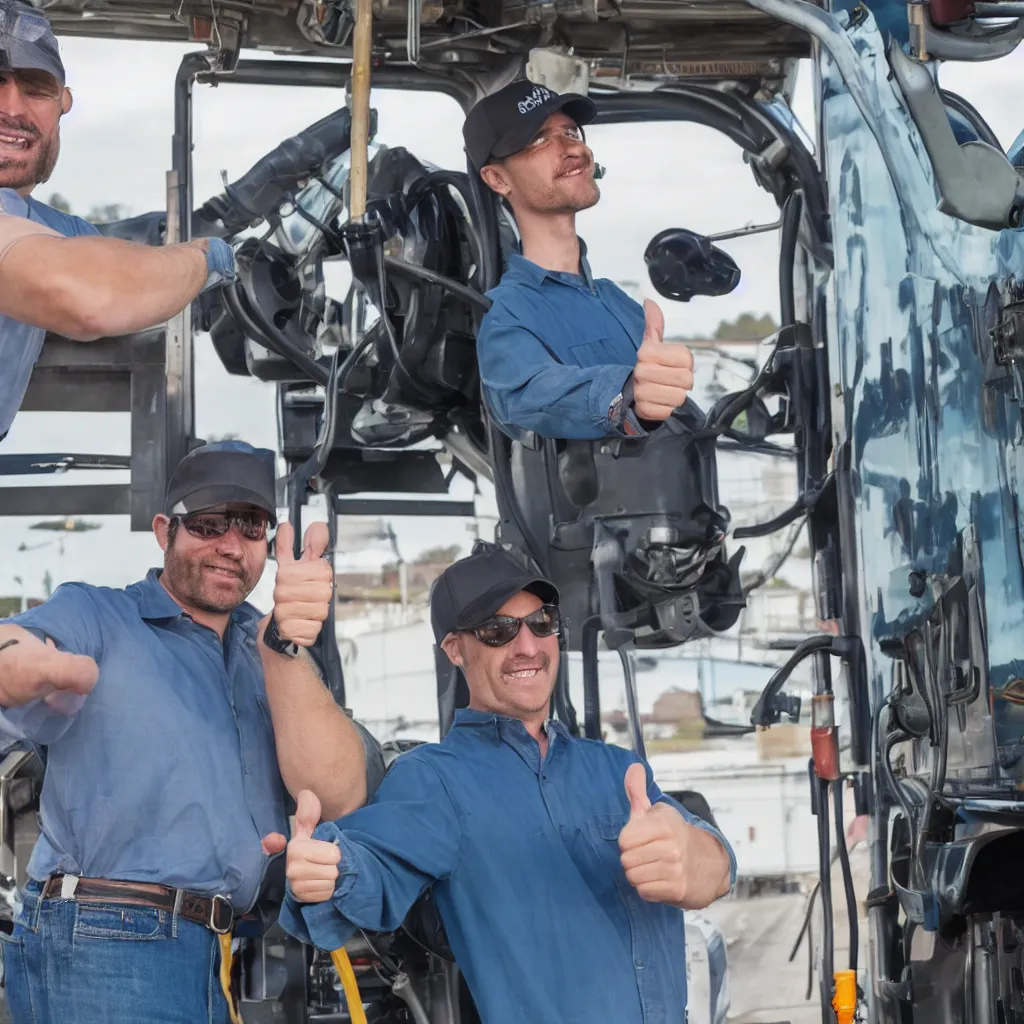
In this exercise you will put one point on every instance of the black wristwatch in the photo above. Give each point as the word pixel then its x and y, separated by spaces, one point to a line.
pixel 277 643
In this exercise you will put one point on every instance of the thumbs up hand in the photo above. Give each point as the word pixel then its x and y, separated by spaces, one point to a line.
pixel 654 844
pixel 304 589
pixel 663 375
pixel 312 864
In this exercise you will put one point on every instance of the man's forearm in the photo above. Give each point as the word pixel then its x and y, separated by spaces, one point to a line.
pixel 88 287
pixel 318 747
pixel 16 671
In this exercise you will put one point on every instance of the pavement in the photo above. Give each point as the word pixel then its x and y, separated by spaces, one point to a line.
pixel 765 986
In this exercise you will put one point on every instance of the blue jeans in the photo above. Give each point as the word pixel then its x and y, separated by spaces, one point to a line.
pixel 82 963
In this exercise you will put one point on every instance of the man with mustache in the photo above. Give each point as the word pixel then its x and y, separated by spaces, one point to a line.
pixel 174 718
pixel 559 869
pixel 56 272
pixel 560 352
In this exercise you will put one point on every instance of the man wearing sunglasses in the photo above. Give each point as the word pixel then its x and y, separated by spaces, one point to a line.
pixel 562 353
pixel 56 272
pixel 559 869
pixel 175 722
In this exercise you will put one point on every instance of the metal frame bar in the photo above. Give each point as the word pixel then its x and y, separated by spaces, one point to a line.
pixel 402 507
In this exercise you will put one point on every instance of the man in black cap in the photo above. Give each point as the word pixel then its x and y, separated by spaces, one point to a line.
pixel 56 272
pixel 560 352
pixel 558 867
pixel 175 721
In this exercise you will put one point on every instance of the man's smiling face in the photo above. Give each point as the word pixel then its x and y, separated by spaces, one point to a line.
pixel 515 679
pixel 553 174
pixel 31 105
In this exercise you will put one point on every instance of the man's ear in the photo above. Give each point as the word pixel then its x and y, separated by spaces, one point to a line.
pixel 160 530
pixel 494 178
pixel 450 646
pixel 66 101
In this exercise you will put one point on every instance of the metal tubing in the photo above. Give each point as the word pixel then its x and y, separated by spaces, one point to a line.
pixel 591 689
pixel 627 655
pixel 827 931
pixel 362 49
pixel 844 862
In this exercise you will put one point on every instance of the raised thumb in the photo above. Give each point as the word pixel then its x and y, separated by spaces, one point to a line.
pixel 284 543
pixel 654 322
pixel 273 844
pixel 307 814
pixel 636 790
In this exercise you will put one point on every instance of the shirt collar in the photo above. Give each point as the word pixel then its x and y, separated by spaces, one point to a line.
pixel 472 717
pixel 522 267
pixel 155 603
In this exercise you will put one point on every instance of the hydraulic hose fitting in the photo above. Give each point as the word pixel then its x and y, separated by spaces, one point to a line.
pixel 824 737
pixel 844 1002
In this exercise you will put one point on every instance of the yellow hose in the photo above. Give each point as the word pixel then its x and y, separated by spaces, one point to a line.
pixel 844 1002
pixel 343 966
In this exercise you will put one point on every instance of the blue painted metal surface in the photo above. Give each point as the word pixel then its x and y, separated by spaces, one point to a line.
pixel 932 420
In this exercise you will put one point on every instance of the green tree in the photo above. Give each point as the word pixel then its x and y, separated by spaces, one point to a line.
pixel 58 202
pixel 746 327
pixel 107 212
pixel 441 555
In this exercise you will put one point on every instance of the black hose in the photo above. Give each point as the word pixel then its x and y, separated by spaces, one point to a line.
pixel 563 702
pixel 255 326
pixel 792 211
pixel 844 863
pixel 591 679
pixel 827 924
pixel 413 271
pixel 894 786
pixel 400 367
pixel 762 712
pixel 259 191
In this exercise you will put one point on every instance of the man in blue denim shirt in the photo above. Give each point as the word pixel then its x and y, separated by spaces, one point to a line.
pixel 560 352
pixel 559 869
pixel 173 719
pixel 56 273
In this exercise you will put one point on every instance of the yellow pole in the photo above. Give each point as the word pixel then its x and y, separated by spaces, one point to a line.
pixel 362 52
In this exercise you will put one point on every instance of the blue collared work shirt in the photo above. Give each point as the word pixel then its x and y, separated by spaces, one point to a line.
pixel 523 857
pixel 167 772
pixel 21 344
pixel 555 349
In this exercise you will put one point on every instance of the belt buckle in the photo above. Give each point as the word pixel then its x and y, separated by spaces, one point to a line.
pixel 223 901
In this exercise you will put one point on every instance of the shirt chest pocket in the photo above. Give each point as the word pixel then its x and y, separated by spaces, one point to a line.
pixel 595 352
pixel 601 834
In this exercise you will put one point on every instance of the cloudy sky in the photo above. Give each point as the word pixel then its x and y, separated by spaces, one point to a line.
pixel 116 148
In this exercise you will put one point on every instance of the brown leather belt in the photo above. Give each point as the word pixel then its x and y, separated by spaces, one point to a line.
pixel 213 912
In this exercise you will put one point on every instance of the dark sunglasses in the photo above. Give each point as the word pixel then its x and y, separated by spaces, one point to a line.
pixel 503 629
pixel 252 525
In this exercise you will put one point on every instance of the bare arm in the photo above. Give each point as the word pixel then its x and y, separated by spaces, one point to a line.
pixel 30 669
pixel 318 747
pixel 92 287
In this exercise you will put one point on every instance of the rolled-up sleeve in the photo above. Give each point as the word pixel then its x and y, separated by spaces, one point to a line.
pixel 71 620
pixel 529 388
pixel 392 850
pixel 655 795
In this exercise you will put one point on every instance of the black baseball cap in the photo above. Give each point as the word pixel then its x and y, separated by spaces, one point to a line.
pixel 27 42
pixel 222 472
pixel 508 120
pixel 472 589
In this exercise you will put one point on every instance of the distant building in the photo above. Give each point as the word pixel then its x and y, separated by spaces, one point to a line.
pixel 677 706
